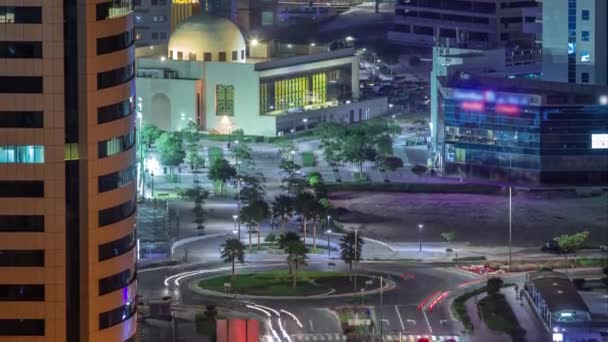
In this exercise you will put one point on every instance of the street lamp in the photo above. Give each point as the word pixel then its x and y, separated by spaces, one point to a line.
pixel 305 121
pixel 420 226
pixel 235 217
pixel 152 183
pixel 327 232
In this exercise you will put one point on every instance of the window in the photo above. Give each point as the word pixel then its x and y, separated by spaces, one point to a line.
pixel 116 316
pixel 139 19
pixel 22 154
pixel 180 55
pixel 21 293
pixel 21 327
pixel 20 84
pixel 585 57
pixel 114 43
pixel 267 18
pixel 20 15
pixel 115 77
pixel 163 35
pixel 115 111
pixel 425 30
pixel 21 189
pixel 584 77
pixel 20 50
pixel 116 145
pixel 207 57
pixel 403 28
pixel 504 36
pixel 235 55
pixel 155 36
pixel 585 14
pixel 25 119
pixel 115 282
pixel 21 258
pixel 222 56
pixel 116 180
pixel 21 223
pixel 243 54
pixel 113 9
pixel 116 214
pixel 224 100
pixel 585 36
pixel 118 247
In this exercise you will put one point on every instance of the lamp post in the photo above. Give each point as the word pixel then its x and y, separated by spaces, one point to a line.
pixel 420 226
pixel 510 228
pixel 152 184
pixel 235 217
pixel 327 232
pixel 305 121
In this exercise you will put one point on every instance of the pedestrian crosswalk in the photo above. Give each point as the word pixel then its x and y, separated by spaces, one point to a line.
pixel 319 337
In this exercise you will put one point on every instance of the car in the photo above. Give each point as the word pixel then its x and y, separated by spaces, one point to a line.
pixel 553 247
pixel 424 339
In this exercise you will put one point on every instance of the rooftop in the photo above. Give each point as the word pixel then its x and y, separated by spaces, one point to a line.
pixel 583 94
pixel 558 291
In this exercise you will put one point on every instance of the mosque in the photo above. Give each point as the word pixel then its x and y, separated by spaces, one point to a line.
pixel 209 74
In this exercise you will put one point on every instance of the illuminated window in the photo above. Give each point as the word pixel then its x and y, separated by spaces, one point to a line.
pixel 235 55
pixel 207 56
pixel 585 57
pixel 28 154
pixel 224 100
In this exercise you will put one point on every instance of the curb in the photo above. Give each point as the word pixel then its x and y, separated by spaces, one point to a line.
pixel 391 285
pixel 185 241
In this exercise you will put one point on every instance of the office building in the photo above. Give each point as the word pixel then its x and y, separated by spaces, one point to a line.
pixel 153 21
pixel 67 189
pixel 206 76
pixel 575 41
pixel 478 24
pixel 522 130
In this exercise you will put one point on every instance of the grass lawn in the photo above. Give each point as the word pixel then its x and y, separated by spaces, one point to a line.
pixel 460 310
pixel 360 177
pixel 273 283
pixel 214 153
pixel 308 159
pixel 497 314
pixel 272 247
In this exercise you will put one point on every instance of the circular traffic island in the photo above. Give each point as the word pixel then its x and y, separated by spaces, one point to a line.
pixel 281 284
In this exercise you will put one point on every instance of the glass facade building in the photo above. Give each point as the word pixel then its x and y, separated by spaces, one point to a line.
pixel 306 90
pixel 492 129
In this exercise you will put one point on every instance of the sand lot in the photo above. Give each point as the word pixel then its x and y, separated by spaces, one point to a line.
pixel 478 219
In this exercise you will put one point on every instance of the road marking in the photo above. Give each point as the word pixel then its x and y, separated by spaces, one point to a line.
pixel 311 328
pixel 427 321
pixel 400 320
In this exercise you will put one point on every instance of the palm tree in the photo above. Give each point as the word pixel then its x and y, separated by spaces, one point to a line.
pixel 285 240
pixel 283 207
pixel 350 251
pixel 233 250
pixel 254 213
pixel 296 256
pixel 304 204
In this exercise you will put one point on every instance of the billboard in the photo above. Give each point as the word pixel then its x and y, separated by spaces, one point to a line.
pixel 599 141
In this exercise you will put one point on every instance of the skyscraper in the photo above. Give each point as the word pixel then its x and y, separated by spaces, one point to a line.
pixel 575 41
pixel 67 188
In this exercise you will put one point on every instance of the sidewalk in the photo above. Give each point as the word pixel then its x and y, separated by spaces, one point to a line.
pixel 527 318
pixel 481 333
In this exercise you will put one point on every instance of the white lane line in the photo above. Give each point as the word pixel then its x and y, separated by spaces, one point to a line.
pixel 427 321
pixel 293 317
pixel 400 320
pixel 311 328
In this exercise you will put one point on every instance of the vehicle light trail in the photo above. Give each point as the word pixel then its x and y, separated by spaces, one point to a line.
pixel 293 317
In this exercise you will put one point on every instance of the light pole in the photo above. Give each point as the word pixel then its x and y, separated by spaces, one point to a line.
pixel 152 183
pixel 235 217
pixel 355 246
pixel 420 226
pixel 327 232
pixel 510 227
pixel 305 121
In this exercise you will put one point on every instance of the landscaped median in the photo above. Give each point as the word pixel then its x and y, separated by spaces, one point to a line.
pixel 280 284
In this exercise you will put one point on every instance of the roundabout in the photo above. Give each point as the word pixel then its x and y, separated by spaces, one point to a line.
pixel 279 285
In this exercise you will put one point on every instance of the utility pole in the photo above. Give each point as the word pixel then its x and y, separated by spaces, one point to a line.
pixel 355 261
pixel 381 322
pixel 510 227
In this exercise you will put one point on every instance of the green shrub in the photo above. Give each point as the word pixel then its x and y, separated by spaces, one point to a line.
pixel 308 159
pixel 460 311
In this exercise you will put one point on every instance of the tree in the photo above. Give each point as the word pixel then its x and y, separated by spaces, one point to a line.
pixel 304 205
pixel 448 236
pixel 283 207
pixel 233 250
pixel 221 171
pixel 242 155
pixel 572 243
pixel 392 163
pixel 493 286
pixel 296 256
pixel 350 248
pixel 171 150
pixel 198 195
pixel 357 150
pixel 254 213
pixel 284 241
pixel 149 135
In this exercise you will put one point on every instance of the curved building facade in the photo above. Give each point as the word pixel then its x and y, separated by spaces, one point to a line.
pixel 67 176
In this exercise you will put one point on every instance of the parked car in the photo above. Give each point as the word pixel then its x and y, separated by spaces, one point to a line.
pixel 552 247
